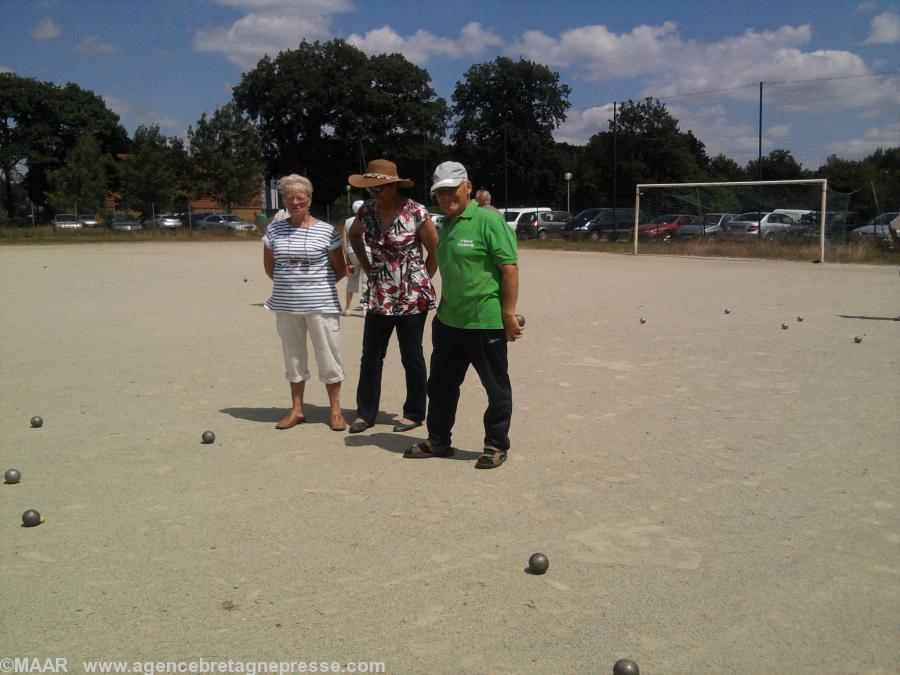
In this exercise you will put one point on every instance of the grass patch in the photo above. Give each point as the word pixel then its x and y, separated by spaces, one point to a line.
pixel 867 252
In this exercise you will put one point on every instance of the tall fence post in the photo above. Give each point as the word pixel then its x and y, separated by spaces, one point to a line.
pixel 637 215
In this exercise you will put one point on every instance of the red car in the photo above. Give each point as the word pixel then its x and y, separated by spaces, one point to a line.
pixel 664 227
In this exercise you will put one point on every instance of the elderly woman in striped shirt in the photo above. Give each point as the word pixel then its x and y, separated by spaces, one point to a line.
pixel 305 259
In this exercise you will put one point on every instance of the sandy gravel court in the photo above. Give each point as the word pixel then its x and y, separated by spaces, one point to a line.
pixel 715 493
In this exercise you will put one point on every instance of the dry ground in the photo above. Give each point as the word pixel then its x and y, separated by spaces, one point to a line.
pixel 714 493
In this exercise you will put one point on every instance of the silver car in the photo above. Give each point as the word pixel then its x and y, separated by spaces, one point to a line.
pixel 223 221
pixel 877 227
pixel 713 225
pixel 66 221
pixel 164 221
pixel 124 222
pixel 755 224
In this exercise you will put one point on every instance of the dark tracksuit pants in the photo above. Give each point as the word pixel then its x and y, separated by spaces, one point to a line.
pixel 453 351
pixel 376 336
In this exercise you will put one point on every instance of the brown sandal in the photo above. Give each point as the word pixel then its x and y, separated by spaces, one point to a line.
pixel 490 458
pixel 290 421
pixel 426 449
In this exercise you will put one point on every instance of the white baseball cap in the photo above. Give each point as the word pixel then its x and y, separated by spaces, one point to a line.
pixel 448 174
pixel 357 204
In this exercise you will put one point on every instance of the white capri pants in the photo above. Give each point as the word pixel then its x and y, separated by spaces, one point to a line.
pixel 325 334
pixel 358 277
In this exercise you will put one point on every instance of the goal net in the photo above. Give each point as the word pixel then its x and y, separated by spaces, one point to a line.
pixel 737 217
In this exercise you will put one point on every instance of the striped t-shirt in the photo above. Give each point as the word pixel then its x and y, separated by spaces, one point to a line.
pixel 304 278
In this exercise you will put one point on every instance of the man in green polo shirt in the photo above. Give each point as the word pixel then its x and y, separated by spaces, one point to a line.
pixel 478 261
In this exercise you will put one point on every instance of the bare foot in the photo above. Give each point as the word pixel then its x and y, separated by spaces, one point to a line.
pixel 338 423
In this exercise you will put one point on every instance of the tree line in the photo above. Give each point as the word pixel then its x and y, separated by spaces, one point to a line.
pixel 324 109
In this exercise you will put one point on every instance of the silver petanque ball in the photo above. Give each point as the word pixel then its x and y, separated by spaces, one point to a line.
pixel 31 518
pixel 208 437
pixel 37 422
pixel 538 563
pixel 626 667
pixel 12 476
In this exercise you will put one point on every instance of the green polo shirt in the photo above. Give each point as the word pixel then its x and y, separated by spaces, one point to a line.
pixel 472 247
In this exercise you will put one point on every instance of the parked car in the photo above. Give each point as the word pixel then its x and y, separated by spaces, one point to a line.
pixel 438 219
pixel 600 223
pixel 123 222
pixel 838 224
pixel 664 227
pixel 877 227
pixel 755 224
pixel 796 214
pixel 713 224
pixel 89 221
pixel 223 221
pixel 543 225
pixel 66 221
pixel 514 215
pixel 164 221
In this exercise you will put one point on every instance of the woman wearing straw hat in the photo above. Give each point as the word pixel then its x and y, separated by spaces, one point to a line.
pixel 399 292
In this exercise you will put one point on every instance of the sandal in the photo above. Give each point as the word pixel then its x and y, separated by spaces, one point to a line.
pixel 290 422
pixel 426 449
pixel 490 458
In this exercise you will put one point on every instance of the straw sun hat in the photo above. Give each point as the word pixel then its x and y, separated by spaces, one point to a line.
pixel 379 172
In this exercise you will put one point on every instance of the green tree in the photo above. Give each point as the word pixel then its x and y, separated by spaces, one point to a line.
pixel 40 124
pixel 650 149
pixel 777 165
pixel 226 156
pixel 324 109
pixel 723 168
pixel 508 110
pixel 81 183
pixel 873 182
pixel 155 173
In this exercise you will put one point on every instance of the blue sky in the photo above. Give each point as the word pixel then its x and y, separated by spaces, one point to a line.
pixel 166 61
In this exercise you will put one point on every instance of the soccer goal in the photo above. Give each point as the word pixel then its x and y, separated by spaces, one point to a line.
pixel 786 212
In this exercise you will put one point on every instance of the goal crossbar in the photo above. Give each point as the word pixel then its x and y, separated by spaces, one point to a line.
pixel 744 183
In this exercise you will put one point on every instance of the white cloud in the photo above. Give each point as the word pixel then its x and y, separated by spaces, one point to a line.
pixel 419 47
pixel 675 65
pixel 90 46
pixel 581 124
pixel 120 106
pixel 47 29
pixel 867 6
pixel 599 52
pixel 271 26
pixel 886 136
pixel 885 29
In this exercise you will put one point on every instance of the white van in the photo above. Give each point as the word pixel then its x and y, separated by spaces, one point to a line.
pixel 514 214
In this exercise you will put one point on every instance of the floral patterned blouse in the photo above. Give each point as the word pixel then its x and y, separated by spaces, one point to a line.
pixel 399 284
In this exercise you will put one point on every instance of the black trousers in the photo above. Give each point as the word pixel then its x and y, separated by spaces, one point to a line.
pixel 453 351
pixel 376 336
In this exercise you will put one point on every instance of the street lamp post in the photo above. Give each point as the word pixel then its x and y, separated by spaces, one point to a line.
pixel 568 177
pixel 349 208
